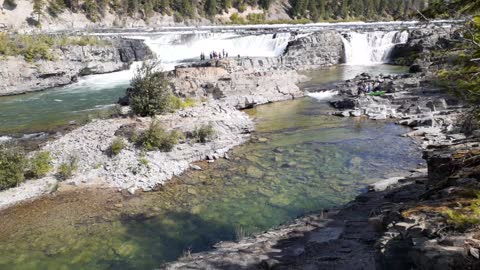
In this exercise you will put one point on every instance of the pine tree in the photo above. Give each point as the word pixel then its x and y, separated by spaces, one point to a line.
pixel 164 6
pixel 211 7
pixel 91 10
pixel 132 8
pixel 148 8
pixel 226 4
pixel 265 4
pixel 369 8
pixel 322 10
pixel 344 9
pixel 37 8
pixel 312 7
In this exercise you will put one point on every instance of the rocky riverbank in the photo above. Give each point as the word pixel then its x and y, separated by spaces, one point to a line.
pixel 401 223
pixel 220 91
pixel 17 75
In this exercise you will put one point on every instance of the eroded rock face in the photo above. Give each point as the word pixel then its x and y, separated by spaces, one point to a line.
pixel 242 82
pixel 319 49
pixel 420 42
pixel 19 76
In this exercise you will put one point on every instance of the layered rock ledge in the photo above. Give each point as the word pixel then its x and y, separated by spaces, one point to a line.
pixel 19 76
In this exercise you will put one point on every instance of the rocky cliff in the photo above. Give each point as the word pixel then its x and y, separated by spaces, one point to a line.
pixel 20 76
pixel 422 45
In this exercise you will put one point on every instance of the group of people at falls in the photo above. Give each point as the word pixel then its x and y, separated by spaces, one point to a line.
pixel 368 87
pixel 215 55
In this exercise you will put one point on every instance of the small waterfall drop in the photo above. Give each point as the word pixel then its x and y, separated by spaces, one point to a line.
pixel 371 47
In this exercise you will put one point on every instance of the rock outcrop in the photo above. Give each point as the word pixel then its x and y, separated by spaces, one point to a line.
pixel 242 82
pixel 319 49
pixel 19 76
pixel 421 42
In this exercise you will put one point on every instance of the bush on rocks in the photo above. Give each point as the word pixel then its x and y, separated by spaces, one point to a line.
pixel 204 133
pixel 157 138
pixel 150 93
pixel 40 164
pixel 117 146
pixel 67 169
pixel 12 167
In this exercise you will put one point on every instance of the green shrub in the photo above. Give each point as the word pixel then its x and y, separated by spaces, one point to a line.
pixel 117 146
pixel 236 19
pixel 177 17
pixel 39 47
pixel 204 133
pixel 12 167
pixel 40 164
pixel 157 138
pixel 256 18
pixel 177 103
pixel 56 7
pixel 150 91
pixel 67 169
pixel 242 8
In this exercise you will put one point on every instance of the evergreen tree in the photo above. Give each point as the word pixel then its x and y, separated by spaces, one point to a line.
pixel 148 8
pixel 91 10
pixel 265 4
pixel 37 8
pixel 370 8
pixel 211 7
pixel 226 4
pixel 312 7
pixel 299 8
pixel 358 8
pixel 322 10
pixel 132 8
pixel 344 9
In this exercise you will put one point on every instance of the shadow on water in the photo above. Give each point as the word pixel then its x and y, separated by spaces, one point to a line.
pixel 153 239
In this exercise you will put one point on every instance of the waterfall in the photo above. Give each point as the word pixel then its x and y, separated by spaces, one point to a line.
pixel 371 47
pixel 174 48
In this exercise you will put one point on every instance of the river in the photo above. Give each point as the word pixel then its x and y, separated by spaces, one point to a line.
pixel 299 160
pixel 305 161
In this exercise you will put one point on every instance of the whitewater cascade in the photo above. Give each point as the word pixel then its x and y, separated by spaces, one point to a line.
pixel 371 47
pixel 174 48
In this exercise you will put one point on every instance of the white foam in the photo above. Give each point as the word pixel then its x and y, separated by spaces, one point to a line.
pixel 369 48
pixel 4 139
pixel 324 95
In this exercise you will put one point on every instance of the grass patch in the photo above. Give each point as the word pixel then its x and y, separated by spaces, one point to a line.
pixel 178 104
pixel 204 133
pixel 157 138
pixel 12 167
pixel 40 46
pixel 118 144
pixel 68 168
pixel 466 216
pixel 40 164
pixel 376 94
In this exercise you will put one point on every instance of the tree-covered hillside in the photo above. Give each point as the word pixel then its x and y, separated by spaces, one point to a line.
pixel 312 10
pixel 355 9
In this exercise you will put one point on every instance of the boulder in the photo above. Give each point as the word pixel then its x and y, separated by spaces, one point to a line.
pixel 344 104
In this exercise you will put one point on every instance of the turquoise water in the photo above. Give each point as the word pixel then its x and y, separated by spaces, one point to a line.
pixel 42 111
pixel 305 161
